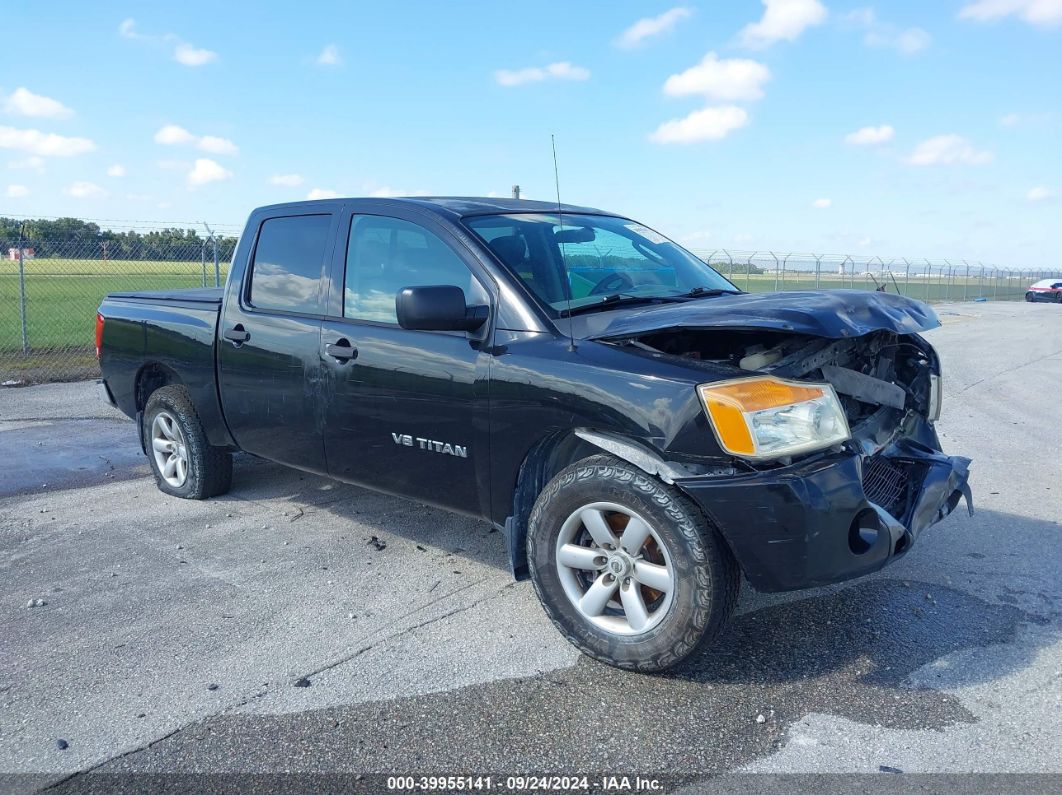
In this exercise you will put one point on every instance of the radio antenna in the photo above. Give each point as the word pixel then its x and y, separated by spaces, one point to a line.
pixel 560 247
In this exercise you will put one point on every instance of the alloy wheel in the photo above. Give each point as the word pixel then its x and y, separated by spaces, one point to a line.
pixel 170 449
pixel 614 568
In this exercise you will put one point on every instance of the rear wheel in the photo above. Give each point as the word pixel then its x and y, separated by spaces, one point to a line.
pixel 1029 297
pixel 183 461
pixel 626 567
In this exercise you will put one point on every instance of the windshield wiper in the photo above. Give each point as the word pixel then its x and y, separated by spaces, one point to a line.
pixel 619 299
pixel 708 292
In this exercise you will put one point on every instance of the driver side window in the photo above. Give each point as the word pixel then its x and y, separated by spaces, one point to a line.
pixel 385 255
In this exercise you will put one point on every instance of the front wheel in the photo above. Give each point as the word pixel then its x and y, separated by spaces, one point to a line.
pixel 626 567
pixel 182 459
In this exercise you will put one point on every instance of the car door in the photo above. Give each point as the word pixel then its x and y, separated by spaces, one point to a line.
pixel 407 409
pixel 269 366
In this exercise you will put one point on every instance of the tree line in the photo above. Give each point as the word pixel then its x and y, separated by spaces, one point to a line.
pixel 72 238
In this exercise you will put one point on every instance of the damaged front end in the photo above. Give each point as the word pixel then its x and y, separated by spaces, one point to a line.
pixel 844 511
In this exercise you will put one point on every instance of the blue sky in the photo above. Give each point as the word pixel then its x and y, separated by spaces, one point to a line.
pixel 923 129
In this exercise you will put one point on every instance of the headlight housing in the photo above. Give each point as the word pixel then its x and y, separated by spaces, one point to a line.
pixel 936 397
pixel 762 418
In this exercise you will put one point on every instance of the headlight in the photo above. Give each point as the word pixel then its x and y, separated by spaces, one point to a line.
pixel 936 396
pixel 770 418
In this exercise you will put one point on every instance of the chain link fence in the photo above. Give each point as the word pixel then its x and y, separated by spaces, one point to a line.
pixel 49 291
pixel 926 280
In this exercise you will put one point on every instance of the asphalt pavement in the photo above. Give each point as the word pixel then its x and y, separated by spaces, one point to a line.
pixel 298 624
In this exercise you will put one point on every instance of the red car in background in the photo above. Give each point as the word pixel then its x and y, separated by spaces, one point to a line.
pixel 1045 290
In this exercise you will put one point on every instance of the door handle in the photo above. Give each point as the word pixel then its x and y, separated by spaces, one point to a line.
pixel 237 334
pixel 342 350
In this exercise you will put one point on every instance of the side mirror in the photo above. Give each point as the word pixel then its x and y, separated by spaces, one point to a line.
pixel 437 308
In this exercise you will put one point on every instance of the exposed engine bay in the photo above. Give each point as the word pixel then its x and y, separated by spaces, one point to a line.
pixel 875 372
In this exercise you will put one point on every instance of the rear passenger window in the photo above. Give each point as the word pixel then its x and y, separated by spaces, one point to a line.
pixel 288 263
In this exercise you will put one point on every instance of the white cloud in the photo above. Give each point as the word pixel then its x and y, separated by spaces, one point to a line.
pixel 33 162
pixel 329 56
pixel 1044 13
pixel 783 20
pixel 217 146
pixel 387 192
pixel 322 193
pixel 16 191
pixel 174 135
pixel 708 124
pixel 912 40
pixel 23 102
pixel 650 27
pixel 190 55
pixel 36 142
pixel 908 42
pixel 1040 194
pixel 286 180
pixel 880 34
pixel 85 190
pixel 562 70
pixel 183 52
pixel 821 204
pixel 731 79
pixel 869 136
pixel 117 170
pixel 1009 120
pixel 948 150
pixel 206 171
pixel 695 237
pixel 861 17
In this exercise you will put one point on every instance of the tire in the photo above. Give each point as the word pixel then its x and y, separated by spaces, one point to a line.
pixel 565 560
pixel 1029 297
pixel 183 461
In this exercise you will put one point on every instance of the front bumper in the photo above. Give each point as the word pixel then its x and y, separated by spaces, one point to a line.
pixel 833 518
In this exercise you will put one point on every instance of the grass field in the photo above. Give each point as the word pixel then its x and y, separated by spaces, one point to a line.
pixel 62 297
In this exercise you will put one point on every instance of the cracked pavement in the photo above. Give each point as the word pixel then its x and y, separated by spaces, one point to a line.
pixel 174 632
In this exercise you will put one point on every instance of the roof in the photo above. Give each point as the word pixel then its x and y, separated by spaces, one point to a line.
pixel 459 206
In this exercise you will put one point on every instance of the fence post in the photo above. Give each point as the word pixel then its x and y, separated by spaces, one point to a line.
pixel 748 270
pixel 981 282
pixel 202 258
pixel 818 269
pixel 966 281
pixel 22 295
pixel 217 268
pixel 907 278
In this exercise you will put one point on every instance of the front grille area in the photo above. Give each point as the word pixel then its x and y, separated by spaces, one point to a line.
pixel 885 483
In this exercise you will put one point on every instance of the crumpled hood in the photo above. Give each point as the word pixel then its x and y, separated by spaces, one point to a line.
pixel 832 314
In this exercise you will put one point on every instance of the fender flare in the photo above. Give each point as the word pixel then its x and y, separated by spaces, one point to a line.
pixel 634 453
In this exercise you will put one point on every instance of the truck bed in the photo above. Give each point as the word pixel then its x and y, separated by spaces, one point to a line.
pixel 195 295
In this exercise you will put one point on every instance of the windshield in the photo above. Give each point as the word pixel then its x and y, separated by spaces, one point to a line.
pixel 589 258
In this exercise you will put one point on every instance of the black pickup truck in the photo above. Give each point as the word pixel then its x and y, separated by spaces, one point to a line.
pixel 642 431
